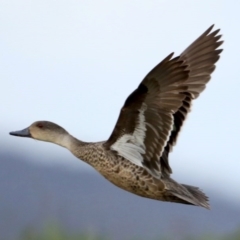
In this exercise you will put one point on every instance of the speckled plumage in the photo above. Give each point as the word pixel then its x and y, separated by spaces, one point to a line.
pixel 135 157
pixel 131 177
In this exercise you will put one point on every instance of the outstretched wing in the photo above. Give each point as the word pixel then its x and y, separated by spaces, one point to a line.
pixel 146 119
pixel 200 57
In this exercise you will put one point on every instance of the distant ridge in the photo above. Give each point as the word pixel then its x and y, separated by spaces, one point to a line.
pixel 31 195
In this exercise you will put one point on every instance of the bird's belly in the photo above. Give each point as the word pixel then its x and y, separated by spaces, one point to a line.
pixel 134 179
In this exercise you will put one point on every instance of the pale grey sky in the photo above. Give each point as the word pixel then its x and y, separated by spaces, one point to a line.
pixel 75 62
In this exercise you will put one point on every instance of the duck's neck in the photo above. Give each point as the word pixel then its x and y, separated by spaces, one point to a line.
pixel 78 148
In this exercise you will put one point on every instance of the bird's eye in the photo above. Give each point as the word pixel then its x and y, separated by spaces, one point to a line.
pixel 40 125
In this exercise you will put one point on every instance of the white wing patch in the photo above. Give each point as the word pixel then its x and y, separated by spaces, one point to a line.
pixel 131 146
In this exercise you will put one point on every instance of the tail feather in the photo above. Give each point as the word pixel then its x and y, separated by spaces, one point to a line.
pixel 186 194
pixel 199 195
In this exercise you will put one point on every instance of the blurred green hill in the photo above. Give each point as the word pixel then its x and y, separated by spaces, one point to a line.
pixel 54 232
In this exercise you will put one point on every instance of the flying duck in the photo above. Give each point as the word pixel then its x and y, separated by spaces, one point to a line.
pixel 135 157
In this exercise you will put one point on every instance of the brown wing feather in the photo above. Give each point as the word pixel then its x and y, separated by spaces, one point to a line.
pixel 146 118
pixel 200 57
pixel 152 116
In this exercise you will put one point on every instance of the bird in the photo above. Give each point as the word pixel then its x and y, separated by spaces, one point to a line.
pixel 136 155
